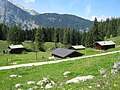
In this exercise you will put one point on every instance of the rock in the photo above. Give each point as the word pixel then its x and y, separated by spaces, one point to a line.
pixel 115 68
pixel 35 87
pixel 66 73
pixel 103 71
pixel 105 75
pixel 19 89
pixel 98 85
pixel 48 86
pixel 46 83
pixel 18 85
pixel 30 82
pixel 116 65
pixel 30 89
pixel 114 71
pixel 13 76
pixel 19 76
pixel 78 79
pixel 90 87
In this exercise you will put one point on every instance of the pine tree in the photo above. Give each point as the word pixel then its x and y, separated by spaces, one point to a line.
pixel 39 40
pixel 14 35
pixel 55 38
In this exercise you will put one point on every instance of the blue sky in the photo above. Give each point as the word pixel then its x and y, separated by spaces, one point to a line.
pixel 88 9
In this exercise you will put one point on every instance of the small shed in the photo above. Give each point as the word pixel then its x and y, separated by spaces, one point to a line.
pixel 77 47
pixel 63 53
pixel 104 45
pixel 15 49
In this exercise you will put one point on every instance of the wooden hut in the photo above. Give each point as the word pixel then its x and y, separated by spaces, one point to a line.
pixel 63 53
pixel 15 49
pixel 77 47
pixel 104 45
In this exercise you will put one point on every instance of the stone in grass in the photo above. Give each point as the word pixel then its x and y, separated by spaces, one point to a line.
pixel 90 87
pixel 19 89
pixel 66 73
pixel 35 87
pixel 116 65
pixel 30 89
pixel 13 76
pixel 46 83
pixel 115 68
pixel 31 82
pixel 19 76
pixel 48 86
pixel 18 85
pixel 80 79
pixel 103 71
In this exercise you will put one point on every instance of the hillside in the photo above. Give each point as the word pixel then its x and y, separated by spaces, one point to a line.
pixel 82 67
pixel 11 13
pixel 62 21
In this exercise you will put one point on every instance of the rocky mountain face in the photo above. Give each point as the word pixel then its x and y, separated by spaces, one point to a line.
pixel 11 13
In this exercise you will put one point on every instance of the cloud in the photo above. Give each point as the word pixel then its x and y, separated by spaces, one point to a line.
pixel 29 1
pixel 88 9
pixel 99 18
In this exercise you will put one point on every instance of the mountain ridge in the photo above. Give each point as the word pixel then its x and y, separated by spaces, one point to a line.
pixel 12 14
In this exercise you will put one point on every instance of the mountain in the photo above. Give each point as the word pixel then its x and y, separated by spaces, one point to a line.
pixel 12 13
pixel 62 21
pixel 32 12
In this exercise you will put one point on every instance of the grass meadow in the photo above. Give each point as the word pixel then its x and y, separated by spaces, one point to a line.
pixel 89 66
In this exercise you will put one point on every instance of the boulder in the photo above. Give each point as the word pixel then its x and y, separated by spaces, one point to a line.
pixel 80 79
pixel 18 85
pixel 46 83
pixel 103 71
pixel 30 82
pixel 66 73
pixel 115 68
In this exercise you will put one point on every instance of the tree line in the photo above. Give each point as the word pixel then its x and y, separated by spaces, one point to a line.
pixel 68 36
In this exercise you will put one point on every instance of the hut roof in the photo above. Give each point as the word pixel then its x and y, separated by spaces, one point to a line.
pixel 104 43
pixel 78 47
pixel 15 46
pixel 61 52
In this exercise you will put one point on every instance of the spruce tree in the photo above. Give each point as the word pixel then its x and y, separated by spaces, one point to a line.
pixel 14 35
pixel 39 40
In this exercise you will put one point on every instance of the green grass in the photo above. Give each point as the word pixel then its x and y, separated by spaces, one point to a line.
pixel 11 59
pixel 3 46
pixel 30 57
pixel 89 66
pixel 116 40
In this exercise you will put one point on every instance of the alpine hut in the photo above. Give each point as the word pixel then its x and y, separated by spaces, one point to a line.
pixel 77 47
pixel 63 53
pixel 15 49
pixel 104 45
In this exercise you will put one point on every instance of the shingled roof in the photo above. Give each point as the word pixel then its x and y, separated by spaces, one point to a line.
pixel 15 46
pixel 104 43
pixel 77 47
pixel 61 52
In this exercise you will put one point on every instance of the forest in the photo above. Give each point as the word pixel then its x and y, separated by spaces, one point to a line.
pixel 102 30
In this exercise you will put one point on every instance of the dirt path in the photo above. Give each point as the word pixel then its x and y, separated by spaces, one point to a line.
pixel 57 61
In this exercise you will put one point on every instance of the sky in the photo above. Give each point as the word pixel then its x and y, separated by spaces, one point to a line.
pixel 88 9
